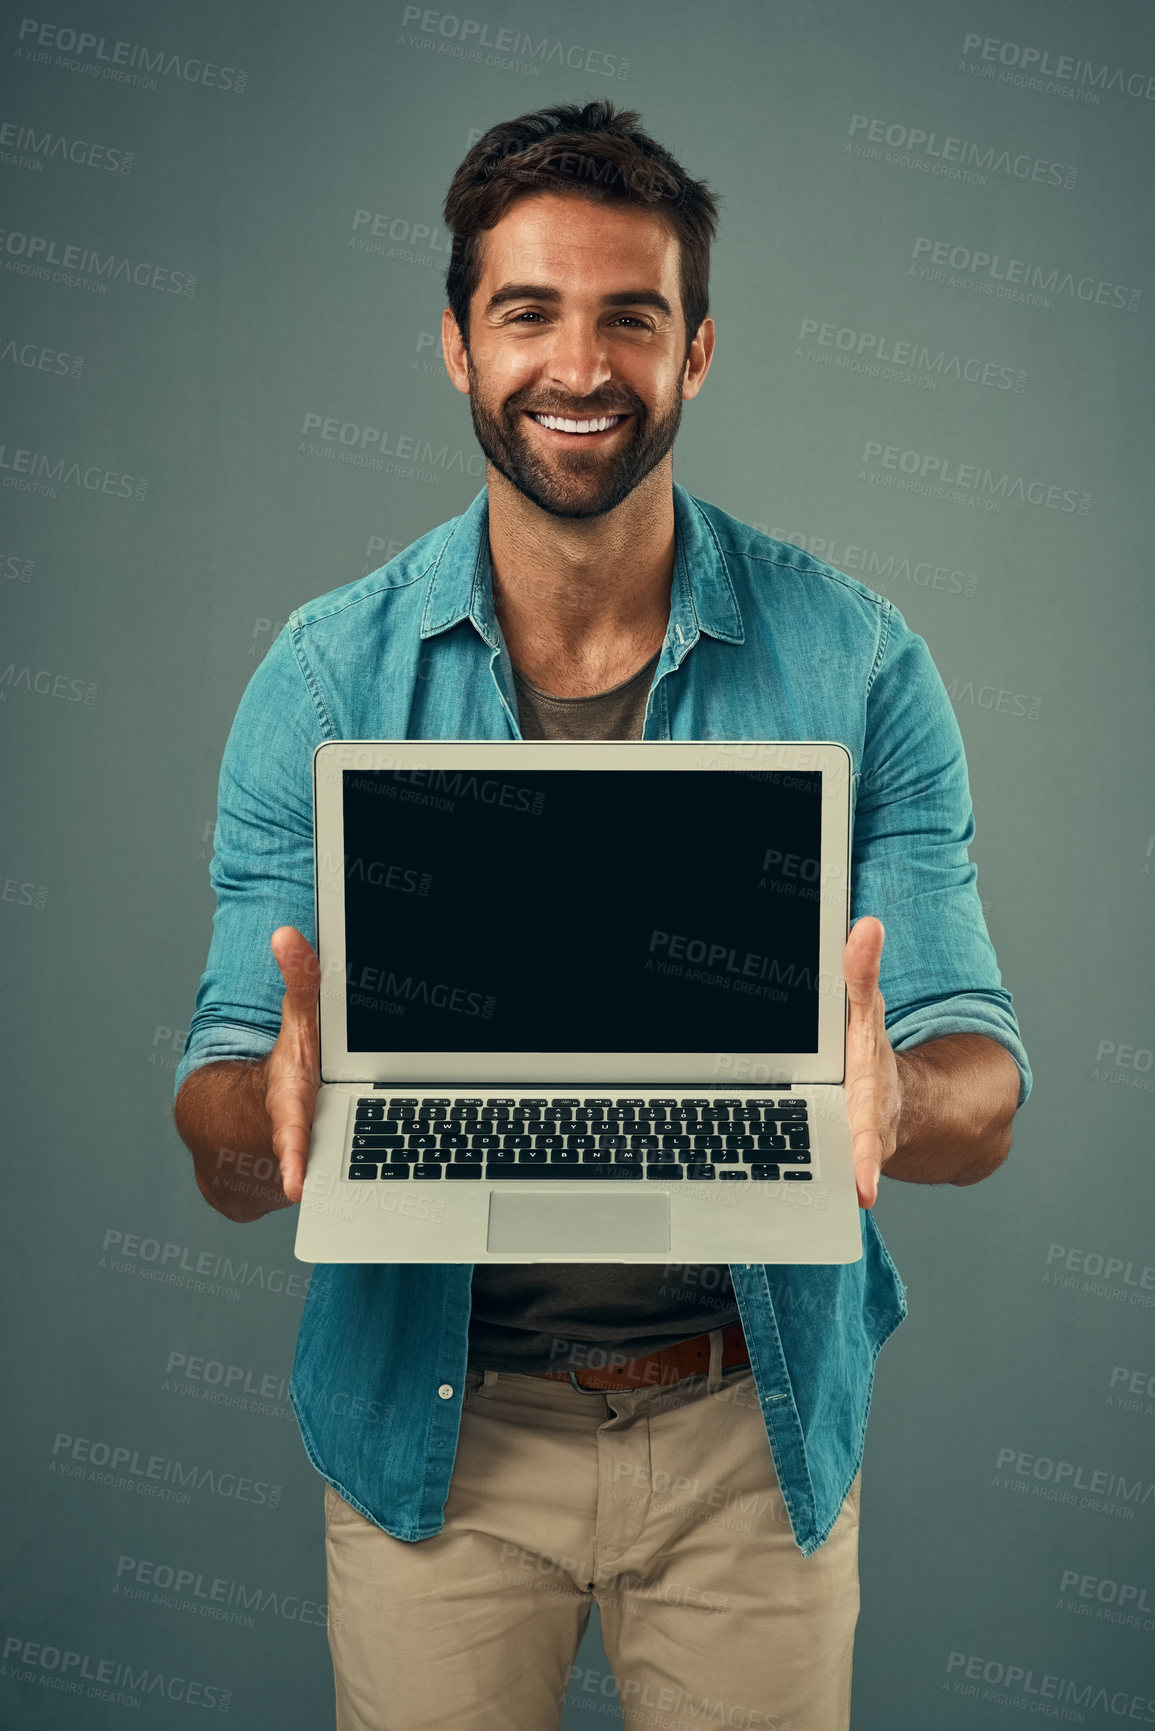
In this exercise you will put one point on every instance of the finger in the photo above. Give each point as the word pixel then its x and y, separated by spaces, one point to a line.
pixel 862 960
pixel 866 1147
pixel 292 1118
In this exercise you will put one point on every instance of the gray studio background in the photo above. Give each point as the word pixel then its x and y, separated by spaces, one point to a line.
pixel 969 180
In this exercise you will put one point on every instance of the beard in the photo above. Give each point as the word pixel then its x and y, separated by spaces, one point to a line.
pixel 571 483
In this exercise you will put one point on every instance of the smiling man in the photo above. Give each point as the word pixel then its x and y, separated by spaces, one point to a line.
pixel 485 1485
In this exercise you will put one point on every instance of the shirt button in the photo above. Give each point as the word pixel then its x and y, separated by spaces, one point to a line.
pixel 446 1391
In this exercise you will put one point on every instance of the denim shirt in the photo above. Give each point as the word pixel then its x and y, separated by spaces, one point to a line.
pixel 763 642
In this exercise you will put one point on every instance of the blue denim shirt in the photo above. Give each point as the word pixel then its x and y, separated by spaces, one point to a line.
pixel 763 642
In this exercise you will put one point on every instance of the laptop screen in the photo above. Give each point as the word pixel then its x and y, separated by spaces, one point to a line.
pixel 582 910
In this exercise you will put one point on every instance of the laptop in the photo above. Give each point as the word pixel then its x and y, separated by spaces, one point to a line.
pixel 581 1001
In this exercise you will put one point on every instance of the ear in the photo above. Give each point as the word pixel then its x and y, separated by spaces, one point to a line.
pixel 453 348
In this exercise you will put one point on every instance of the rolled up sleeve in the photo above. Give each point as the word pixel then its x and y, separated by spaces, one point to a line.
pixel 913 826
pixel 262 864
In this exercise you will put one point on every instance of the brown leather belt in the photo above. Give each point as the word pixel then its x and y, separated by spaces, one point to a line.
pixel 667 1365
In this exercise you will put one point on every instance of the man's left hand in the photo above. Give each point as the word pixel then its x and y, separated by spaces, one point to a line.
pixel 873 1085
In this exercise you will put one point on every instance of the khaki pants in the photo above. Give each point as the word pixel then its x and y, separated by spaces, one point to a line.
pixel 660 1505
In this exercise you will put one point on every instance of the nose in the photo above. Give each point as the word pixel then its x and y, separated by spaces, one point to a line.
pixel 578 361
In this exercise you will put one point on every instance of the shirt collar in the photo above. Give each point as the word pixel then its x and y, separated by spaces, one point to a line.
pixel 702 595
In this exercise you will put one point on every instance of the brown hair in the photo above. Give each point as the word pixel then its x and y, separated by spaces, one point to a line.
pixel 596 152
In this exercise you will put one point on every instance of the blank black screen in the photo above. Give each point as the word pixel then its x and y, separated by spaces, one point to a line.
pixel 582 910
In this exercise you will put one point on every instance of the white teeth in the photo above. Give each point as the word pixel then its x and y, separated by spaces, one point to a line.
pixel 558 424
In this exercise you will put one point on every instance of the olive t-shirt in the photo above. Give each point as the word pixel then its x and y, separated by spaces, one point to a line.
pixel 525 1316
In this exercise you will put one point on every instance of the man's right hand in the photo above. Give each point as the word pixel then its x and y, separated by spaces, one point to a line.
pixel 293 1067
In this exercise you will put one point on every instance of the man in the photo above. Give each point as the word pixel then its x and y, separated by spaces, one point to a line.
pixel 484 1486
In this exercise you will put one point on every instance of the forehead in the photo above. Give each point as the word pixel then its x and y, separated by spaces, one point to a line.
pixel 561 238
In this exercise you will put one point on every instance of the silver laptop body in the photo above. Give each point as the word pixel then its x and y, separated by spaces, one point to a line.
pixel 581 1001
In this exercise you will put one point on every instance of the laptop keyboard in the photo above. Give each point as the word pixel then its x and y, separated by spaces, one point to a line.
pixel 448 1138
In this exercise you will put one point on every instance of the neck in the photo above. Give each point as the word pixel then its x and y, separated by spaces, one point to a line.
pixel 582 602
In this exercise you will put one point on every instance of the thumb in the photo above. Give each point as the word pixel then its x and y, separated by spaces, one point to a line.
pixel 862 959
pixel 299 965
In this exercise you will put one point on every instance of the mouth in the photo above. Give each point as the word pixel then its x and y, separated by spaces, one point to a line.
pixel 564 429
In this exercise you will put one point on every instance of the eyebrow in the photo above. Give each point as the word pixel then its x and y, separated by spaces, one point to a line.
pixel 517 291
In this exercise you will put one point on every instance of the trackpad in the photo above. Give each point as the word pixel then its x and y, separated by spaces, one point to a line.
pixel 606 1224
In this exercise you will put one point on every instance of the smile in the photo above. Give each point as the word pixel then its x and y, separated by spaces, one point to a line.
pixel 582 429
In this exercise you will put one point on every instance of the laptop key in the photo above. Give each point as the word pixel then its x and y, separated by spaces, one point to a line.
pixel 501 1156
pixel 565 1157
pixel 733 1172
pixel 466 1157
pixel 367 1113
pixel 764 1169
pixel 426 1171
pixel 534 1174
pixel 664 1171
pixel 696 1171
pixel 367 1171
pixel 769 1142
pixel 533 1157
pixel 393 1171
pixel 795 1173
pixel 799 1138
pixel 487 1139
